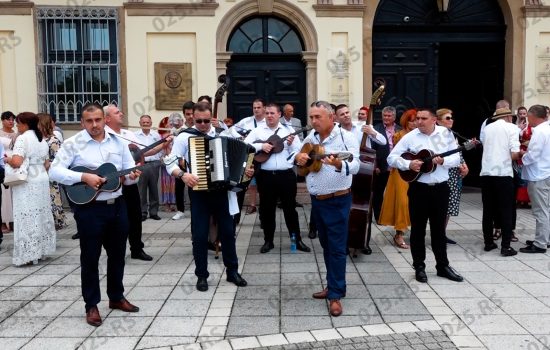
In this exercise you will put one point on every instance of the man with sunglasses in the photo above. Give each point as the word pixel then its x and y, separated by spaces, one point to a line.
pixel 220 204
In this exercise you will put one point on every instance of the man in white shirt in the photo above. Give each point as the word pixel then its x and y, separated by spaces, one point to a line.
pixel 149 180
pixel 358 129
pixel 289 119
pixel 220 204
pixel 276 178
pixel 114 119
pixel 536 170
pixel 103 221
pixel 2 175
pixel 429 194
pixel 500 146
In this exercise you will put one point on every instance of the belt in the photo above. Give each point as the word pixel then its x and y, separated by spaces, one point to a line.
pixel 273 172
pixel 430 184
pixel 107 202
pixel 322 197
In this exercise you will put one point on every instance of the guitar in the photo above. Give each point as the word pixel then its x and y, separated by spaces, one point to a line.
pixel 426 156
pixel 316 153
pixel 81 193
pixel 278 143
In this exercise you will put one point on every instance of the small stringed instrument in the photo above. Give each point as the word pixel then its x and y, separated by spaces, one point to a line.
pixel 316 153
pixel 426 156
pixel 81 193
pixel 278 143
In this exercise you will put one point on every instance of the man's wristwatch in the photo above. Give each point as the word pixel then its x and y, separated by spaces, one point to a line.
pixel 180 174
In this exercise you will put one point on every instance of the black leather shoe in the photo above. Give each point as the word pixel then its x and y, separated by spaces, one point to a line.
pixel 420 275
pixel 490 247
pixel 300 245
pixel 267 247
pixel 141 255
pixel 237 280
pixel 508 251
pixel 202 284
pixel 143 217
pixel 155 217
pixel 528 242
pixel 450 241
pixel 76 236
pixel 449 273
pixel 532 249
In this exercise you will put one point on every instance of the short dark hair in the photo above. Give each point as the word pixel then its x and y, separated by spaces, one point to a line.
pixel 274 105
pixel 8 115
pixel 339 107
pixel 261 100
pixel 202 107
pixel 187 105
pixel 429 110
pixel 538 111
pixel 91 107
pixel 205 97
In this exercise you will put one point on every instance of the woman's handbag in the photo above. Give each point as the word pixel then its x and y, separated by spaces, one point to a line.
pixel 16 176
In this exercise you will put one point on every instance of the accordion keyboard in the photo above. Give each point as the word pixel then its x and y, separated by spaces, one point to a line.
pixel 199 161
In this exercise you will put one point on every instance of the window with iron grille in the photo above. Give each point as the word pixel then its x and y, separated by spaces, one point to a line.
pixel 78 59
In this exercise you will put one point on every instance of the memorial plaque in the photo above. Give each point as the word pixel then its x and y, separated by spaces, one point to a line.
pixel 173 85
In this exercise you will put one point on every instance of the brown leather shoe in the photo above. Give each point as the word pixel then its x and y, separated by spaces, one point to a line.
pixel 123 305
pixel 251 209
pixel 93 318
pixel 335 307
pixel 321 295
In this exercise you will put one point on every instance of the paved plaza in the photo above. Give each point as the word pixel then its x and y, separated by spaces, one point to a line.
pixel 504 303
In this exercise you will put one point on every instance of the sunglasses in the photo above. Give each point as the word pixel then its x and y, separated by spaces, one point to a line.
pixel 448 118
pixel 202 121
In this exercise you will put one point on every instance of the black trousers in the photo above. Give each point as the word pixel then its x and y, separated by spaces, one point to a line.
pixel 499 203
pixel 273 185
pixel 428 203
pixel 380 182
pixel 133 203
pixel 180 194
pixel 203 205
pixel 101 224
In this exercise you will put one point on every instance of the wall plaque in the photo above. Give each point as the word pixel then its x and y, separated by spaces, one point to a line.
pixel 173 85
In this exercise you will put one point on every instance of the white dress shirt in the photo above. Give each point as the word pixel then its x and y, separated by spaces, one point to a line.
pixel 328 179
pixel 244 125
pixel 439 141
pixel 148 139
pixel 499 139
pixel 277 161
pixel 536 162
pixel 356 130
pixel 180 148
pixel 82 150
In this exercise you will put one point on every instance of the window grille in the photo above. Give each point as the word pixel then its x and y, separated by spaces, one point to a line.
pixel 78 59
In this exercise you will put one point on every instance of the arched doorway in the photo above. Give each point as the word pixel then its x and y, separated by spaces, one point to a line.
pixel 266 63
pixel 452 58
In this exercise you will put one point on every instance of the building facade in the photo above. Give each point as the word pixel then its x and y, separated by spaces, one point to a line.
pixel 148 56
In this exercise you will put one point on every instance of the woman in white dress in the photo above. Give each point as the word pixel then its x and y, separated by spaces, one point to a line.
pixel 34 231
pixel 7 137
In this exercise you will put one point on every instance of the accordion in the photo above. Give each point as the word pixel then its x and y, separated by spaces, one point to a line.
pixel 220 163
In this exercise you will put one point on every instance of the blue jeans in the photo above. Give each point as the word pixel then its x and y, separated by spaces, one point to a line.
pixel 331 218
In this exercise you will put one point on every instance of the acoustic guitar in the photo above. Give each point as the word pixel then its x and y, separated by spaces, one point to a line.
pixel 81 193
pixel 426 156
pixel 316 153
pixel 278 143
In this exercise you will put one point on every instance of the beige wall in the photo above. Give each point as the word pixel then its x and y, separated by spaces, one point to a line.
pixel 537 61
pixel 18 91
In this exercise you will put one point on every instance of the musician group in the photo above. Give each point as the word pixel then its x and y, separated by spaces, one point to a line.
pixel 328 156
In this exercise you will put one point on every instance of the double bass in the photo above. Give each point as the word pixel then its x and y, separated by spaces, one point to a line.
pixel 360 219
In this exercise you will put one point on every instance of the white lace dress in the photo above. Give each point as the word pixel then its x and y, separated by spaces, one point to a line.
pixel 34 230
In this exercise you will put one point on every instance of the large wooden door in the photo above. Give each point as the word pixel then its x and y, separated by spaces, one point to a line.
pixel 277 79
